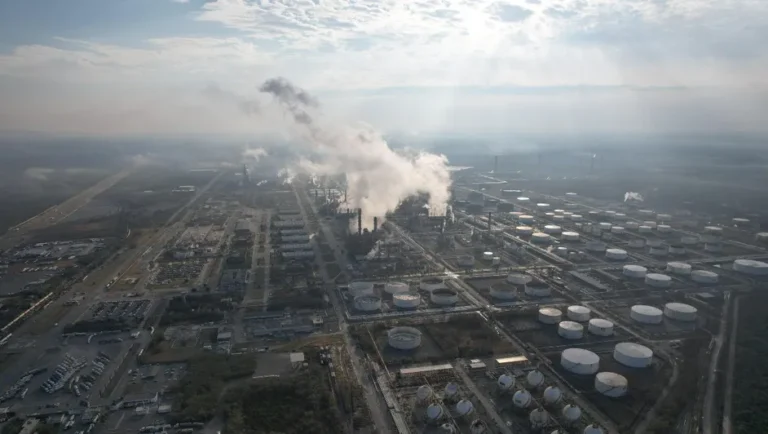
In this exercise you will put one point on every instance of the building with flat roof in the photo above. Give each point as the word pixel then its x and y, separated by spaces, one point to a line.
pixel 138 399
pixel 431 369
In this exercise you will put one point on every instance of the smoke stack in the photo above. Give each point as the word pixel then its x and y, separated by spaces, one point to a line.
pixel 442 226
pixel 345 195
pixel 359 221
pixel 375 223
pixel 496 164
pixel 489 222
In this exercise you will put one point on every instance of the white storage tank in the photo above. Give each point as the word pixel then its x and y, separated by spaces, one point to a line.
pixel 487 256
pixel 561 251
pixel 663 217
pixel 522 399
pixel 704 276
pixel 396 287
pixel 367 303
pixel 549 214
pixel 651 224
pixel 406 300
pixel 680 312
pixel 751 267
pixel 761 237
pixel 518 278
pixel 464 408
pixel 740 222
pixel 644 229
pixel 357 289
pixel 431 283
pixel 505 382
pixel 534 379
pixel 570 330
pixel 571 413
pixel 688 240
pixel 444 297
pixel 526 219
pixel 657 280
pixel 633 355
pixel 713 230
pixel 404 338
pixel 617 229
pixel 523 199
pixel 451 391
pixel 645 212
pixel 616 254
pixel 576 217
pixel 552 395
pixel 502 291
pixel 679 268
pixel 423 393
pixel 539 418
pixel 637 243
pixel 595 246
pixel 579 361
pixel 550 315
pixel 540 238
pixel 676 249
pixel 664 229
pixel 542 206
pixel 558 218
pixel 634 271
pixel 713 247
pixel 496 260
pixel 434 413
pixel 524 231
pixel 605 226
pixel 593 429
pixel 578 313
pixel 600 327
pixel 552 229
pixel 660 250
pixel 632 225
pixel 611 384
pixel 569 236
pixel 646 314
pixel 538 289
pixel 477 427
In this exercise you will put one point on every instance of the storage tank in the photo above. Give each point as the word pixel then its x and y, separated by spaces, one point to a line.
pixel 704 276
pixel 447 428
pixel 559 211
pixel 404 338
pixel 522 399
pixel 616 254
pixel 663 217
pixel 569 236
pixel 432 283
pixel 549 214
pixel 444 297
pixel 680 312
pixel 636 243
pixel 634 271
pixel 518 278
pixel 496 260
pixel 540 238
pixel 713 233
pixel 561 251
pixel 523 199
pixel 451 391
pixel 505 382
pixel 617 229
pixel 740 222
pixel 654 242
pixel 576 217
pixel 396 287
pixel 632 225
pixel 761 237
pixel 661 250
pixel 664 229
pixel 611 384
pixel 478 427
pixel 645 212
pixel 579 361
pixel 504 291
pixel 357 289
pixel 605 226
pixel 552 229
pixel 571 413
pixel 542 206
pixel 570 330
pixel 434 413
pixel 676 249
pixel 593 429
pixel 633 355
pixel 679 268
pixel 464 408
pixel 688 240
pixel 538 289
pixel 552 395
pixel 657 280
pixel 534 379
pixel 539 418
pixel 750 267
pixel 578 313
pixel 550 315
pixel 600 327
pixel 406 300
pixel 558 218
pixel 524 231
pixel 487 256
pixel 644 229
pixel 646 314
pixel 367 303
pixel 595 246
pixel 423 393
pixel 526 219
pixel 651 224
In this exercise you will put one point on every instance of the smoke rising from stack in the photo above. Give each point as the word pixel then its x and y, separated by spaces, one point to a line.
pixel 377 176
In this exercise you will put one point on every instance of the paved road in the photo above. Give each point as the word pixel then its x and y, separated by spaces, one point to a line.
pixel 710 410
pixel 729 378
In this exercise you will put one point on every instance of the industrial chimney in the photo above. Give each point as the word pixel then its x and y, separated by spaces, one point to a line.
pixel 375 223
pixel 359 221
pixel 489 222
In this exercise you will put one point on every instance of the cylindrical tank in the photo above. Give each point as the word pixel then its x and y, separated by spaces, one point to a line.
pixel 595 246
pixel 451 391
pixel 522 399
pixel 646 314
pixel 569 236
pixel 645 212
pixel 447 428
pixel 478 427
pixel 404 338
pixel 526 219
pixel 570 330
pixel 616 254
pixel 538 289
pixel 396 287
pixel 661 250
pixel 542 206
pixel 518 278
pixel 539 418
pixel 540 237
pixel 524 230
pixel 423 394
pixel 558 218
pixel 617 229
pixel 600 327
pixel 704 276
pixel 552 229
pixel 632 225
pixel 444 297
pixel 571 413
pixel 593 429
pixel 651 224
pixel 578 313
pixel 750 267
pixel 644 229
pixel 367 303
pixel 550 315
pixel 464 408
pixel 559 211
pixel 487 256
pixel 689 240
pixel 664 229
pixel 634 271
pixel 680 311
pixel 676 249
pixel 657 280
pixel 504 291
pixel 496 260
pixel 605 226
pixel 610 214
pixel 434 413
pixel 357 289
pixel 534 379
pixel 505 382
pixel 431 283
pixel 611 384
pixel 406 300
pixel 680 268
pixel 579 361
pixel 663 217
pixel 561 251
pixel 552 395
pixel 576 217
pixel 761 237
pixel 636 243
pixel 633 355
pixel 740 221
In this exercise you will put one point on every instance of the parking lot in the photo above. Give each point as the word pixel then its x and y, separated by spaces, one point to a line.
pixel 177 273
pixel 119 310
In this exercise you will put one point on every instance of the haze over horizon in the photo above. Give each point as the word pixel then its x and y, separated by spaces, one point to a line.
pixel 144 67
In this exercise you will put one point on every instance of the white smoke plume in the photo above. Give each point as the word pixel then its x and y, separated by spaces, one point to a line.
pixel 254 154
pixel 631 195
pixel 377 176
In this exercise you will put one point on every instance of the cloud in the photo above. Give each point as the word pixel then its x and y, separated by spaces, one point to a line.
pixel 511 13
pixel 254 154
pixel 216 93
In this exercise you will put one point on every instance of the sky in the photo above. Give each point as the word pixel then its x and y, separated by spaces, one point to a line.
pixel 144 67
